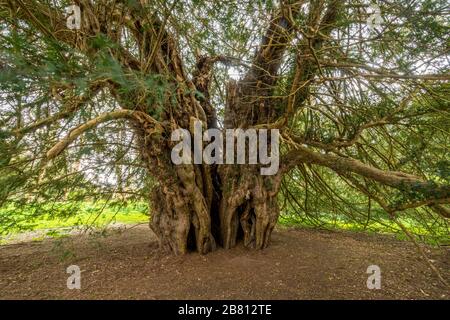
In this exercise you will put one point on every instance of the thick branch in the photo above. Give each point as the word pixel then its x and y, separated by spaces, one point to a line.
pixel 274 43
pixel 308 65
pixel 443 211
pixel 76 132
pixel 72 107
pixel 52 23
pixel 342 165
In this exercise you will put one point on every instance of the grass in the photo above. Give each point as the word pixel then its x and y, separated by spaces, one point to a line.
pixel 54 216
pixel 431 234
pixel 67 215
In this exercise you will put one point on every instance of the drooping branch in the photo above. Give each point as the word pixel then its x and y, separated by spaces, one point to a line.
pixel 440 209
pixel 344 166
pixel 381 72
pixel 108 116
pixel 71 107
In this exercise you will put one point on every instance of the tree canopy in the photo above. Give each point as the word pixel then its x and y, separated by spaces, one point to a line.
pixel 358 89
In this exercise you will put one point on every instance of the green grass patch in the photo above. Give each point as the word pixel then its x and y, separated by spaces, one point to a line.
pixel 15 219
pixel 427 233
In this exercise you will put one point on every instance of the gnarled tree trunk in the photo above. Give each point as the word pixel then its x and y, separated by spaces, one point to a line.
pixel 185 216
pixel 201 206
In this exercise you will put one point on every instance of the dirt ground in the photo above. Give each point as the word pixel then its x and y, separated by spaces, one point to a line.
pixel 299 264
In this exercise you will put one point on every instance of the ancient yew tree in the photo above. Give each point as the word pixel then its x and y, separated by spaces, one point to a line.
pixel 357 94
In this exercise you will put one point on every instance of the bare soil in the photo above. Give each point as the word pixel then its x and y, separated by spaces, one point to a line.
pixel 299 264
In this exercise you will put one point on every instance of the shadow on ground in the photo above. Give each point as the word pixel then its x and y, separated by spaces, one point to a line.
pixel 299 264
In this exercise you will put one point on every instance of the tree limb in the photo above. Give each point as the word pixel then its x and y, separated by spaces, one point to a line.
pixel 76 132
pixel 342 165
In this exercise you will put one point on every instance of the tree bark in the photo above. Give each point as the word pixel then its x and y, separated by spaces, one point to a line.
pixel 186 217
pixel 198 207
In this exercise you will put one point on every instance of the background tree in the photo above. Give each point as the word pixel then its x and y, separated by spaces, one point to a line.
pixel 359 109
